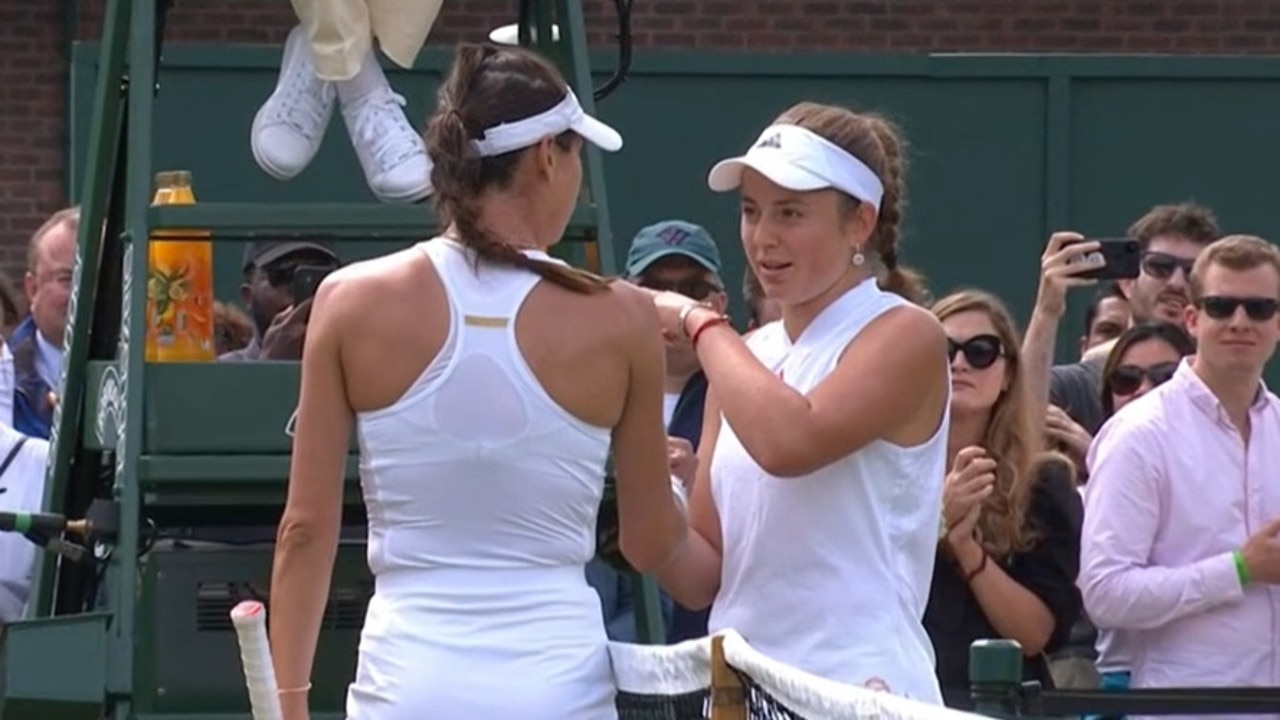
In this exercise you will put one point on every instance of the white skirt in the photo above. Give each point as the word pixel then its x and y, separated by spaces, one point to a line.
pixel 459 643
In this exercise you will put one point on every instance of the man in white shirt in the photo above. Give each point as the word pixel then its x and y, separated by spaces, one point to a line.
pixel 22 478
pixel 1180 550
pixel 7 385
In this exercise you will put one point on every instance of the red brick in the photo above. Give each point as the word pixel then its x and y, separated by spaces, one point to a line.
pixel 32 102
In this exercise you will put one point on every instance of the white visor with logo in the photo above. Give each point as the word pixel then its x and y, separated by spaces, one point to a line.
pixel 566 115
pixel 800 160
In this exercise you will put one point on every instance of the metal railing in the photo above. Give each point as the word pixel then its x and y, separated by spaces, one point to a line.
pixel 998 690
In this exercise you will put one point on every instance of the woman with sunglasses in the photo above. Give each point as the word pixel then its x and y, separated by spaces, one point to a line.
pixel 1143 358
pixel 1010 545
pixel 1147 357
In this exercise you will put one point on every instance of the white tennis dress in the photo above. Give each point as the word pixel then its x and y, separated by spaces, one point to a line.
pixel 482 495
pixel 830 572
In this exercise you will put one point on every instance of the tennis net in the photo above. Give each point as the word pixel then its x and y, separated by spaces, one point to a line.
pixel 725 679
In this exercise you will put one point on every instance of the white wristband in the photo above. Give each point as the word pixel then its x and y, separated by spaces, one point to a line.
pixel 682 498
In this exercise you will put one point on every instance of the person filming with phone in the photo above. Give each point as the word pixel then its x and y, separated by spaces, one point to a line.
pixel 280 276
pixel 1154 280
pixel 1069 260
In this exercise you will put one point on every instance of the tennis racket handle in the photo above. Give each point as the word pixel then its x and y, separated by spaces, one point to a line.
pixel 250 621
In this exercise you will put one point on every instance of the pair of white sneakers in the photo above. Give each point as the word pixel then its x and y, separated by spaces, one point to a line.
pixel 290 125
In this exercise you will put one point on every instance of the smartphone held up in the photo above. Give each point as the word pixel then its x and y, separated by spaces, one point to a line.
pixel 1115 259
pixel 306 278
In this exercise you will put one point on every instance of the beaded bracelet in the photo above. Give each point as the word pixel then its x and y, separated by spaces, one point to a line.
pixel 968 578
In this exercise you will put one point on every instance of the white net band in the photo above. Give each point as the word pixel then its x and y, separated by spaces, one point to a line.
pixel 684 668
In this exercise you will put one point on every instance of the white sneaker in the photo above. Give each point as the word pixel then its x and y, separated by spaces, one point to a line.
pixel 390 151
pixel 290 125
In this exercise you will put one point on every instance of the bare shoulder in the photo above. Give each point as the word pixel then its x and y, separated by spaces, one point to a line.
pixel 381 272
pixel 632 299
pixel 632 304
pixel 357 289
pixel 915 318
pixel 905 330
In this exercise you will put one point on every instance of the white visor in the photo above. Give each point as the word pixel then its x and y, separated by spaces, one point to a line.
pixel 566 115
pixel 800 160
pixel 510 34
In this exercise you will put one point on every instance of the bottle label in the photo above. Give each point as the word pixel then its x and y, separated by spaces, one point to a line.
pixel 179 303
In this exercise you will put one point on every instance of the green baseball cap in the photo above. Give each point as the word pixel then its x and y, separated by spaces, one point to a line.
pixel 672 237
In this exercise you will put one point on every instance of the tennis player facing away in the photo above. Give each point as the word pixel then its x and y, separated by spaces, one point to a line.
pixel 486 381
pixel 817 512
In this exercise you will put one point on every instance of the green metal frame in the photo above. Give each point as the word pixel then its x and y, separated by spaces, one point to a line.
pixel 107 398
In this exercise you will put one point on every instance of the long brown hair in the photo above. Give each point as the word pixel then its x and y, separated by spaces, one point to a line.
pixel 879 144
pixel 1013 437
pixel 487 86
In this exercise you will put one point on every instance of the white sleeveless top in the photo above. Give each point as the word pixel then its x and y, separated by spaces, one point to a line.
pixel 482 494
pixel 830 572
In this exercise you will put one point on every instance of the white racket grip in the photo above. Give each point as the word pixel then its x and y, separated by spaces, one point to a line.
pixel 250 620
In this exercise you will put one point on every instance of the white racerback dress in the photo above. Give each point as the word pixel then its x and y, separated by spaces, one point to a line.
pixel 482 495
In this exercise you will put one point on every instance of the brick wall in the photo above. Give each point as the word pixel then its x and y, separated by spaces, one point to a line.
pixel 34 36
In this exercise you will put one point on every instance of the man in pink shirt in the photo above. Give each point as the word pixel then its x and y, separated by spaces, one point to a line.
pixel 1181 539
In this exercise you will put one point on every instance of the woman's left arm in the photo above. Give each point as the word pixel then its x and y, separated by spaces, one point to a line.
pixel 1035 599
pixel 307 540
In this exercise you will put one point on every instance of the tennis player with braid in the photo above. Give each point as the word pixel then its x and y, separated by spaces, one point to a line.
pixel 486 382
pixel 816 513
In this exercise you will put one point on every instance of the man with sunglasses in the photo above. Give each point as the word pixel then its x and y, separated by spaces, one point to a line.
pixel 682 257
pixel 1181 539
pixel 1170 237
pixel 279 319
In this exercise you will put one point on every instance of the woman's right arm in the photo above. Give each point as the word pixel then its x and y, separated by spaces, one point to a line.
pixel 693 575
pixel 651 525
pixel 1058 267
pixel 307 540
pixel 890 384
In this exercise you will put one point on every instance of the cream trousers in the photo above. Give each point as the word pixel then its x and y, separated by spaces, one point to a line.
pixel 342 31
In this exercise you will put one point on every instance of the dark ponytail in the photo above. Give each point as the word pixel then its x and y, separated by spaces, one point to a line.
pixel 487 86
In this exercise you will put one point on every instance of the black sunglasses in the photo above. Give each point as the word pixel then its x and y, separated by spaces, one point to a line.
pixel 1126 379
pixel 692 289
pixel 1161 265
pixel 1220 307
pixel 980 351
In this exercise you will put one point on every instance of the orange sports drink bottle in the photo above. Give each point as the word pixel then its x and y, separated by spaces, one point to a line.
pixel 179 283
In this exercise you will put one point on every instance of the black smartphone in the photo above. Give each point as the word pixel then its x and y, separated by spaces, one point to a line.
pixel 306 278
pixel 1122 259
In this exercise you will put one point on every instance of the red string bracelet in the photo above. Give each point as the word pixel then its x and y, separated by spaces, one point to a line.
pixel 982 565
pixel 717 320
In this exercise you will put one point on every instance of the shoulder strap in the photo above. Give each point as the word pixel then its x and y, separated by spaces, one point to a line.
pixel 13 453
